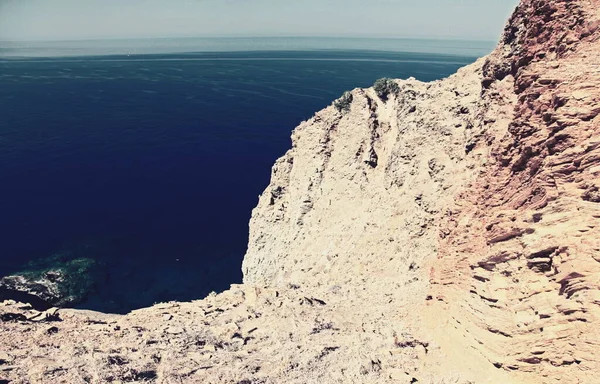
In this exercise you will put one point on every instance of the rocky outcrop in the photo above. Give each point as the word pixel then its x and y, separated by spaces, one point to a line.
pixel 59 280
pixel 440 232
pixel 519 267
pixel 356 197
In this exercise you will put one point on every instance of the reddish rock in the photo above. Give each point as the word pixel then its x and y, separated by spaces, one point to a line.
pixel 553 49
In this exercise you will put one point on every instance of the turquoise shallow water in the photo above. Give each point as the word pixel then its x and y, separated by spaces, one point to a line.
pixel 155 161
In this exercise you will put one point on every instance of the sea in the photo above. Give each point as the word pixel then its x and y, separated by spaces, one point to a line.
pixel 149 155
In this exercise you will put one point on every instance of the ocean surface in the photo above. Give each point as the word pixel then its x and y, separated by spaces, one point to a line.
pixel 150 155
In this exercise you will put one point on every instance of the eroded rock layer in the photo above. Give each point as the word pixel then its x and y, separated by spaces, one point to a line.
pixel 519 268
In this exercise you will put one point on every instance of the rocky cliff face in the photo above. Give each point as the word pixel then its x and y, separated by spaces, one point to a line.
pixel 354 201
pixel 519 267
pixel 445 233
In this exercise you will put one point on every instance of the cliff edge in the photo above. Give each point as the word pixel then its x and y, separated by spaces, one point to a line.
pixel 441 232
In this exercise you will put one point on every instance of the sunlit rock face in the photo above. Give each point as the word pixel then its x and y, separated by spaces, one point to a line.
pixel 519 265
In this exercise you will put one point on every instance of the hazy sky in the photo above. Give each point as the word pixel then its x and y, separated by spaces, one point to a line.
pixel 85 19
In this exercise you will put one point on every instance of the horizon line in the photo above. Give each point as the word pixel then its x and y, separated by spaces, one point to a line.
pixel 365 37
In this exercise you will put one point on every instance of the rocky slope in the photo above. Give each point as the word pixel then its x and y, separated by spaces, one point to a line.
pixel 519 267
pixel 443 234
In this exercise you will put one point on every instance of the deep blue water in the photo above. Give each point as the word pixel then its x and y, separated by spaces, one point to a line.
pixel 157 160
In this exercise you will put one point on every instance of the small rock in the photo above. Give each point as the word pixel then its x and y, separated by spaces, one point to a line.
pixel 5 358
pixel 167 317
pixel 580 95
pixel 97 327
pixel 199 357
pixel 174 330
pixel 251 296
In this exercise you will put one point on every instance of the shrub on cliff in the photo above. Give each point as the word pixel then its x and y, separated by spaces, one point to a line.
pixel 385 87
pixel 343 103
